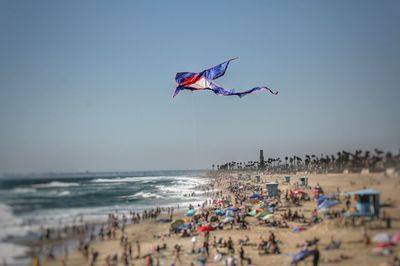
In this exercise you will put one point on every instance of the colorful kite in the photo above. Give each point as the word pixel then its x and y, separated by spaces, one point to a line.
pixel 204 81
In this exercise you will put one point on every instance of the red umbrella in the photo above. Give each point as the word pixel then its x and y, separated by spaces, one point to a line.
pixel 204 228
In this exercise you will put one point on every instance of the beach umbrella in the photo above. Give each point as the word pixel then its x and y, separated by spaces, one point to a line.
pixel 327 204
pixel 190 213
pixel 256 196
pixel 261 214
pixel 300 256
pixel 229 219
pixel 229 213
pixel 381 238
pixel 184 226
pixel 268 216
pixel 234 209
pixel 322 199
pixel 214 219
pixel 253 212
pixel 175 224
pixel 204 228
pixel 396 237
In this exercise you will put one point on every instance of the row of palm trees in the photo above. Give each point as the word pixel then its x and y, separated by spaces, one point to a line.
pixel 377 160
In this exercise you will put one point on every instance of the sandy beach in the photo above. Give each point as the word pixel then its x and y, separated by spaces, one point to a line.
pixel 352 251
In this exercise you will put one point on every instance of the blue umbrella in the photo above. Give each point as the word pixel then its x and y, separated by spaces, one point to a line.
pixel 256 196
pixel 301 256
pixel 184 226
pixel 234 209
pixel 327 204
pixel 322 199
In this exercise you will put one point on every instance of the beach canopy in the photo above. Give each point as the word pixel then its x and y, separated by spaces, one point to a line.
pixel 327 204
pixel 190 213
pixel 381 238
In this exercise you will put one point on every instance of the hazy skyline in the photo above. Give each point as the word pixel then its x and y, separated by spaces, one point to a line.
pixel 87 85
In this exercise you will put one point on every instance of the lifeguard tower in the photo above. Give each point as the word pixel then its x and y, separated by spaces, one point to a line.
pixel 367 202
pixel 272 188
pixel 303 181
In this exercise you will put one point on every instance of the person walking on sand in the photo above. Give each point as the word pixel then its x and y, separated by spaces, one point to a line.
pixel 177 254
pixel 138 249
pixel 194 240
pixel 316 256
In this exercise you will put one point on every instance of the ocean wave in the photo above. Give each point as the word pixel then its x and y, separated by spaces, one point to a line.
pixel 55 184
pixel 142 179
pixel 64 193
pixel 146 195
pixel 23 190
pixel 11 252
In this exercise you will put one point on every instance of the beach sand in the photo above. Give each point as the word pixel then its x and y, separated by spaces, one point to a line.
pixel 360 253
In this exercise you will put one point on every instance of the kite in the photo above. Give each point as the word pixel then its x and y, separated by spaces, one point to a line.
pixel 204 81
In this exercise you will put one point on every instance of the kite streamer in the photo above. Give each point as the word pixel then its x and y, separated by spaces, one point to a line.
pixel 204 81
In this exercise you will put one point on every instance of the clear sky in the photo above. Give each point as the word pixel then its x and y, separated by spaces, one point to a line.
pixel 87 85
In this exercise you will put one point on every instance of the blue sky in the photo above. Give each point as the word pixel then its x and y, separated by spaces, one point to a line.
pixel 87 85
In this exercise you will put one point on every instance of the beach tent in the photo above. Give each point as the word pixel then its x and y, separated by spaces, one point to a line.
pixel 303 181
pixel 272 188
pixel 175 224
pixel 327 204
pixel 190 213
pixel 287 179
pixel 367 202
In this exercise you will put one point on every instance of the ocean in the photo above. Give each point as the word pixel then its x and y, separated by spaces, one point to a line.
pixel 31 202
